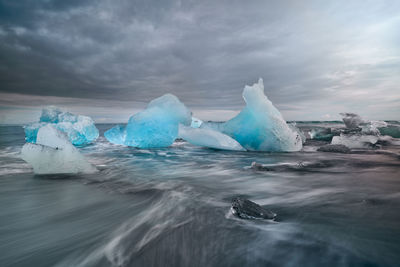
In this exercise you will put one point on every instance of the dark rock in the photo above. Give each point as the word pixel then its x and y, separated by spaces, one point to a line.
pixel 313 142
pixel 278 167
pixel 246 209
pixel 382 142
pixel 334 148
pixel 339 131
pixel 350 131
pixel 373 201
pixel 259 167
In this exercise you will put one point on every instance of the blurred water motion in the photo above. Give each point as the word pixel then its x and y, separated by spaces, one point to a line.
pixel 170 207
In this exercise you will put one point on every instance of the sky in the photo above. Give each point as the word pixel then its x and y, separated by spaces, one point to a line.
pixel 108 58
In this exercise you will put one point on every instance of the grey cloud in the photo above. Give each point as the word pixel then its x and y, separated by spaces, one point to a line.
pixel 308 52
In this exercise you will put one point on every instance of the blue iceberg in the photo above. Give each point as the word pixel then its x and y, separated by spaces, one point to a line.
pixel 260 126
pixel 156 126
pixel 116 135
pixel 79 129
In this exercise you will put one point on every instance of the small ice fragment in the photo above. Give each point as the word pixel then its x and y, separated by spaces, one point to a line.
pixel 351 120
pixel 208 138
pixel 355 140
pixel 53 153
pixel 354 121
pixel 371 128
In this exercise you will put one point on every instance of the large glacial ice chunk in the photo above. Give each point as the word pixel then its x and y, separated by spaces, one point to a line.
pixel 208 138
pixel 53 153
pixel 260 126
pixel 79 129
pixel 156 126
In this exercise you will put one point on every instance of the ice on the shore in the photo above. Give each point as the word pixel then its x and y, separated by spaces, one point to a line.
pixel 156 126
pixel 351 120
pixel 53 153
pixel 372 127
pixel 354 121
pixel 208 138
pixel 368 134
pixel 260 126
pixel 79 129
pixel 355 140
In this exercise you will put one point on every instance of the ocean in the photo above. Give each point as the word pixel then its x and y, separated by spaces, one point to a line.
pixel 171 207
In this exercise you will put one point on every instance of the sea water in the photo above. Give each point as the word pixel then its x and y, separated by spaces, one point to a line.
pixel 171 207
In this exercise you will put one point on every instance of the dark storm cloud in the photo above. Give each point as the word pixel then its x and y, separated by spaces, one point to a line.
pixel 311 54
